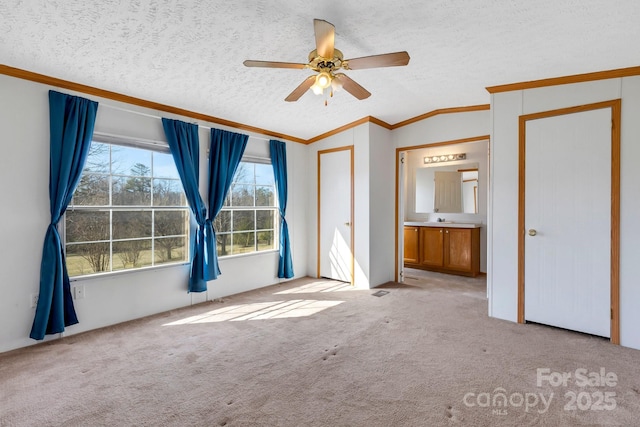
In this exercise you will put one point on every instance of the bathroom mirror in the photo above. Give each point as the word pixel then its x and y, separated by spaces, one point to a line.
pixel 447 188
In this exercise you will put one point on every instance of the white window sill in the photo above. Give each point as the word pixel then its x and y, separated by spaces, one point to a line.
pixel 108 274
pixel 250 254
pixel 163 266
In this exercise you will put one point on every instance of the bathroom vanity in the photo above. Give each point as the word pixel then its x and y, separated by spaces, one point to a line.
pixel 443 246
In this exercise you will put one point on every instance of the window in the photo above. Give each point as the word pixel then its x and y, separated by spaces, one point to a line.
pixel 129 211
pixel 247 220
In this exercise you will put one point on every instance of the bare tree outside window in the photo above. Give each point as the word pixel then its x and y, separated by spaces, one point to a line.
pixel 122 209
pixel 246 223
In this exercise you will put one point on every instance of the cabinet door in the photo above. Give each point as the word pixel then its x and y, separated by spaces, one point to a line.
pixel 458 247
pixel 411 249
pixel 431 246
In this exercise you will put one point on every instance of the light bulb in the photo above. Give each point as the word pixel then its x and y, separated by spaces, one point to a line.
pixel 323 79
pixel 317 89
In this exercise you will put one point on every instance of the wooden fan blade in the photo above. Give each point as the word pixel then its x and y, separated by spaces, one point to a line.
pixel 352 87
pixel 300 90
pixel 385 60
pixel 271 64
pixel 325 37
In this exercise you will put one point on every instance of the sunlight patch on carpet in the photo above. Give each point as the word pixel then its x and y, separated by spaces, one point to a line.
pixel 258 311
pixel 320 286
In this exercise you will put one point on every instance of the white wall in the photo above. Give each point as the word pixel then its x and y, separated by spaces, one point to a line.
pixel 443 127
pixel 503 214
pixel 381 205
pixel 114 298
pixel 374 213
pixel 374 198
pixel 357 137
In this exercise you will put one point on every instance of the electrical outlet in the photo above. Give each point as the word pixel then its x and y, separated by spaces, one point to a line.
pixel 34 300
pixel 78 292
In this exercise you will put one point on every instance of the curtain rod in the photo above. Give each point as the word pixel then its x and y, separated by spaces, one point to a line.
pixel 153 116
pixel 120 139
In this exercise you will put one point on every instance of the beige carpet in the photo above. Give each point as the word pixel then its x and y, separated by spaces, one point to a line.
pixel 317 353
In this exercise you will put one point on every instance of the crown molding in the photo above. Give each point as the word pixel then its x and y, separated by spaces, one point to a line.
pixel 480 107
pixel 576 78
pixel 368 119
pixel 90 90
pixel 371 119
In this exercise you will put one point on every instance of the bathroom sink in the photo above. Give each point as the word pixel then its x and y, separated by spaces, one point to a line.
pixel 449 224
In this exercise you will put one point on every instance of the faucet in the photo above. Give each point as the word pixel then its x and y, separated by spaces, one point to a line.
pixel 440 219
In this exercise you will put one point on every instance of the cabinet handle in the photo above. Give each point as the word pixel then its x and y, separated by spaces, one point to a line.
pixel 441 230
pixel 447 231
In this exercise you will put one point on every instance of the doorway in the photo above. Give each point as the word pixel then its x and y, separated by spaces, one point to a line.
pixel 406 198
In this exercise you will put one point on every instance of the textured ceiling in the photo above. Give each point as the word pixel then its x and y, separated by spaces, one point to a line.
pixel 189 53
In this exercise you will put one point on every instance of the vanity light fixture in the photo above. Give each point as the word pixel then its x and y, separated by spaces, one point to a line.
pixel 445 158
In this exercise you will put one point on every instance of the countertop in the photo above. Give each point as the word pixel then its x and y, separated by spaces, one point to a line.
pixel 443 224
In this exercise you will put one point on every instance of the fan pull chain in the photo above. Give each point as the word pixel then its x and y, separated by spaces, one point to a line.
pixel 326 101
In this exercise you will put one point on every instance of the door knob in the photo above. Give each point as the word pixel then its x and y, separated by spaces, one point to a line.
pixel 532 232
pixel 348 224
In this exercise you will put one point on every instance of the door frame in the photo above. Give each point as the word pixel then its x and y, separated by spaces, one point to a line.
pixel 615 106
pixel 349 148
pixel 400 186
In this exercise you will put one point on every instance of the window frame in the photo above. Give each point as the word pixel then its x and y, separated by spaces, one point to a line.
pixel 148 145
pixel 230 208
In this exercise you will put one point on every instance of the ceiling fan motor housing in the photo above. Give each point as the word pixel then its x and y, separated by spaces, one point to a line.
pixel 319 63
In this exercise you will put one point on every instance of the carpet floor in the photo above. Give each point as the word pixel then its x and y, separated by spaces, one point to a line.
pixel 315 352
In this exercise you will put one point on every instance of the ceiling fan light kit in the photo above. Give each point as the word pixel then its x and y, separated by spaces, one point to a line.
pixel 325 60
pixel 324 79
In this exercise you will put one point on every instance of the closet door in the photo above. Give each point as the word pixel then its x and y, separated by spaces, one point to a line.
pixel 567 221
pixel 335 214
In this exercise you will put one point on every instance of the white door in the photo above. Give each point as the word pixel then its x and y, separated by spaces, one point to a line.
pixel 335 248
pixel 568 221
pixel 448 193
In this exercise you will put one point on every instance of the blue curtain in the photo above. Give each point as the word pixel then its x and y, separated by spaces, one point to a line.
pixel 185 148
pixel 71 122
pixel 279 162
pixel 224 157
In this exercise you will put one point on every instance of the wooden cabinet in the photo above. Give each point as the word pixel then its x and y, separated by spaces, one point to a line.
pixel 445 249
pixel 411 248
pixel 431 246
pixel 460 248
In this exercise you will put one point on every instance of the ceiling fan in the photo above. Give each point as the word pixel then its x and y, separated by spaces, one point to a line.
pixel 326 60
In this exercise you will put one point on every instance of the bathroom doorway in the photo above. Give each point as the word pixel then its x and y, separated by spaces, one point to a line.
pixel 417 204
